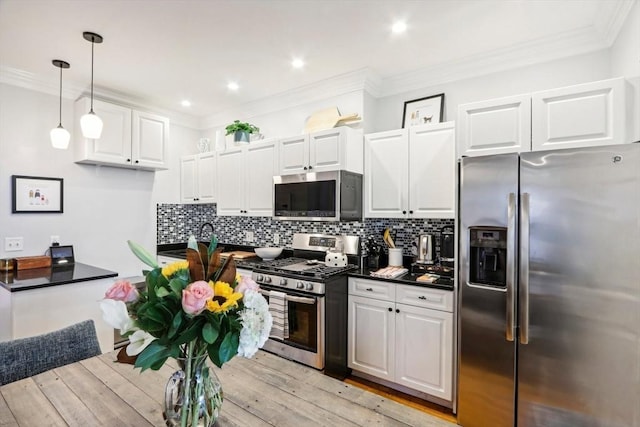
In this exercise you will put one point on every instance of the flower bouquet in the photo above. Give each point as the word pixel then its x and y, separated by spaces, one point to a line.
pixel 192 311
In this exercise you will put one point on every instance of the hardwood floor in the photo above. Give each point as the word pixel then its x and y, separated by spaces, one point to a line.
pixel 408 400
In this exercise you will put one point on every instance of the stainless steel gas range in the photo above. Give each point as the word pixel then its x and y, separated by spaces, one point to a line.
pixel 316 301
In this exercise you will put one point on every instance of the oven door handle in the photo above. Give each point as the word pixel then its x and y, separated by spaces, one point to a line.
pixel 301 300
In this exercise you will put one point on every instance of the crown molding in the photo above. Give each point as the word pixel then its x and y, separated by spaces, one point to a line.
pixel 354 81
pixel 611 17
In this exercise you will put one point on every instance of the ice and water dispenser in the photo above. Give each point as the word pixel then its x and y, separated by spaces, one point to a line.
pixel 488 261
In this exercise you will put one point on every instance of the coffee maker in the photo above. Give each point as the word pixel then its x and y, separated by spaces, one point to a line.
pixel 447 247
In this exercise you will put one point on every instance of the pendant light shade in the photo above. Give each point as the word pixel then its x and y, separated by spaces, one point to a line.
pixel 90 123
pixel 60 136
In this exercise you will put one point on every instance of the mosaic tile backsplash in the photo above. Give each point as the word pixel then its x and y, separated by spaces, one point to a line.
pixel 176 222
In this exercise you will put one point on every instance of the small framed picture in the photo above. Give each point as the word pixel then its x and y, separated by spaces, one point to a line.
pixel 36 194
pixel 423 111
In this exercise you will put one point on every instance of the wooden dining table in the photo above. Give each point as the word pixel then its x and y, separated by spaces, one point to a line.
pixel 263 391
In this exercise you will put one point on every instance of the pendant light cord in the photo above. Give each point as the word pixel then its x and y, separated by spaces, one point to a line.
pixel 60 117
pixel 92 43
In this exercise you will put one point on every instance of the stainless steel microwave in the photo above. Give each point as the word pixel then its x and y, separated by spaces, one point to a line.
pixel 318 196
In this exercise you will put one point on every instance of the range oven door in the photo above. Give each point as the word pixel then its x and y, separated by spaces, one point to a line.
pixel 305 343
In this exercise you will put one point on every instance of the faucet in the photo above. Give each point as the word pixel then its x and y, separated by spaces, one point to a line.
pixel 202 227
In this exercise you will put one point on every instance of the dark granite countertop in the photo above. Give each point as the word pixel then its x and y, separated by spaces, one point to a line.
pixel 35 278
pixel 407 279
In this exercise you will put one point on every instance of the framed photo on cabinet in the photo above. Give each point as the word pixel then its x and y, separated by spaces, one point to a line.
pixel 36 194
pixel 423 111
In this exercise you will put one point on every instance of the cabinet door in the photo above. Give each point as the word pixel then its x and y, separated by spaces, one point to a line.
pixel 230 182
pixel 294 155
pixel 114 145
pixel 188 179
pixel 326 150
pixel 579 116
pixel 432 171
pixel 371 337
pixel 206 178
pixel 150 140
pixel 424 350
pixel 260 167
pixel 495 126
pixel 386 158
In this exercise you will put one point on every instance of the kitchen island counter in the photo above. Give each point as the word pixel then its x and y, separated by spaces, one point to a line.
pixel 23 280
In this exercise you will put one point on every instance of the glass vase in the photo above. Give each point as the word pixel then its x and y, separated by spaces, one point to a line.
pixel 193 395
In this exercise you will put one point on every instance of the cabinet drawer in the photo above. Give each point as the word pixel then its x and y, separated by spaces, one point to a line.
pixel 425 297
pixel 372 289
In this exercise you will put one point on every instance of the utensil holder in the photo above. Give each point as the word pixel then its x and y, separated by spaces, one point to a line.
pixel 395 257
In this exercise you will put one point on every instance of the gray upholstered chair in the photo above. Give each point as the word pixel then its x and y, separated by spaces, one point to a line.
pixel 25 357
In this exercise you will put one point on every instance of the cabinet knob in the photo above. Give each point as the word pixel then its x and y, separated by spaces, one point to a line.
pixel 397 310
pixel 369 289
pixel 411 212
pixel 305 168
pixel 137 161
pixel 422 297
pixel 128 160
pixel 404 212
pixel 390 309
pixel 310 167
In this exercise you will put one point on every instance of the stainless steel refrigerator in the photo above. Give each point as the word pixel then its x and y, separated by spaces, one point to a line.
pixel 549 294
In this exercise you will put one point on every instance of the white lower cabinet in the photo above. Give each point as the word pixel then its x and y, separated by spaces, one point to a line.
pixel 402 334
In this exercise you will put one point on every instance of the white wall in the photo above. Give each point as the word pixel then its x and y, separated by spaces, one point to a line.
pixel 564 72
pixel 103 206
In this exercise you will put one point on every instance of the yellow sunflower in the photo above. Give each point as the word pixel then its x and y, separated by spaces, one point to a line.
pixel 172 268
pixel 224 298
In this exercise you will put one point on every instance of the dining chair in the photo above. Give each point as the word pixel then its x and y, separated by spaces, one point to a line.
pixel 25 357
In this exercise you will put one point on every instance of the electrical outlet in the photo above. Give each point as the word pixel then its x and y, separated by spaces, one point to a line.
pixel 13 244
pixel 55 240
pixel 248 236
pixel 276 239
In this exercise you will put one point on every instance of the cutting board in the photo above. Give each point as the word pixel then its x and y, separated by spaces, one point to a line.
pixel 239 254
pixel 327 119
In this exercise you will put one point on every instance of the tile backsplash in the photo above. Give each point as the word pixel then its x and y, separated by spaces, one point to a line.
pixel 176 222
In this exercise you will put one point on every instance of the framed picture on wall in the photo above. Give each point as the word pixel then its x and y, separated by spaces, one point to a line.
pixel 423 111
pixel 36 194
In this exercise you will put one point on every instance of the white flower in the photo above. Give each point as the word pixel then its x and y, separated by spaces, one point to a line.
pixel 138 342
pixel 256 323
pixel 116 315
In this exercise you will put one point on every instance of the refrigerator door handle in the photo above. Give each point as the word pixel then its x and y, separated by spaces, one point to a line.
pixel 511 266
pixel 524 268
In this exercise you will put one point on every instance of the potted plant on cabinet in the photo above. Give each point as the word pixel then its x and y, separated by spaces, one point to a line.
pixel 241 130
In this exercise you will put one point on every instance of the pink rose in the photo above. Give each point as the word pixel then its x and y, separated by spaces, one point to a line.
pixel 122 290
pixel 195 296
pixel 246 283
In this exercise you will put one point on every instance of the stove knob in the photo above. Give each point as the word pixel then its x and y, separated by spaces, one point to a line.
pixel 260 278
pixel 267 279
pixel 299 285
pixel 283 282
pixel 309 286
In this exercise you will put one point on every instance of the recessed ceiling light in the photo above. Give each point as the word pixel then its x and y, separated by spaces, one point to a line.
pixel 186 103
pixel 399 27
pixel 297 63
pixel 233 86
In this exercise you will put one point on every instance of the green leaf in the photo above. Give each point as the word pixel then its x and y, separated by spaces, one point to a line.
pixel 213 244
pixel 175 324
pixel 190 333
pixel 210 333
pixel 229 347
pixel 142 254
pixel 177 286
pixel 151 355
pixel 162 292
pixel 212 350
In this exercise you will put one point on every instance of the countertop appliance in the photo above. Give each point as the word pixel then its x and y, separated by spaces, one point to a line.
pixel 447 245
pixel 318 196
pixel 426 249
pixel 316 297
pixel 549 304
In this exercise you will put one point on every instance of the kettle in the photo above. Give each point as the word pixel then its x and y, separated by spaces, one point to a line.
pixel 335 256
pixel 426 249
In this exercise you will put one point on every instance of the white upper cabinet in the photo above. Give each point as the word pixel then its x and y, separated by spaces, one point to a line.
pixel 245 179
pixel 197 178
pixel 579 116
pixel 583 115
pixel 130 139
pixel 326 150
pixel 410 173
pixel 495 126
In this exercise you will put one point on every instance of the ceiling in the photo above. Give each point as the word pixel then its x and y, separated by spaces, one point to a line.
pixel 160 52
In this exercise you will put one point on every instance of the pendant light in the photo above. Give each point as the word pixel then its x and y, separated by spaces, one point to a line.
pixel 60 136
pixel 90 123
